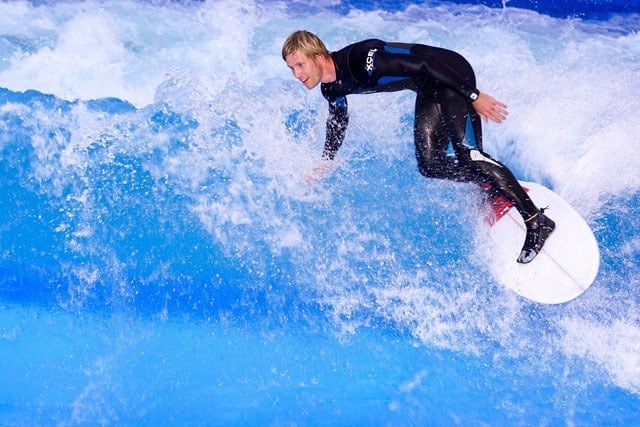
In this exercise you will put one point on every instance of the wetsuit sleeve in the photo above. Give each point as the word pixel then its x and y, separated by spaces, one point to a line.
pixel 336 126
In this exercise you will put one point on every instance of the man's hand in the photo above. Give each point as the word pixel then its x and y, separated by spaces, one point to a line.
pixel 321 171
pixel 490 109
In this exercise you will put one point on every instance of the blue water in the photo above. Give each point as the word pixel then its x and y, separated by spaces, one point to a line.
pixel 164 262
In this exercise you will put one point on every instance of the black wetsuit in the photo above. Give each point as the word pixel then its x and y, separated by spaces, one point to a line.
pixel 445 86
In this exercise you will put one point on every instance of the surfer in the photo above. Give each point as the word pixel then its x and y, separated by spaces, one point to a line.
pixel 447 102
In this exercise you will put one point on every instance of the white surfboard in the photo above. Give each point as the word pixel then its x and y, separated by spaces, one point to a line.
pixel 565 267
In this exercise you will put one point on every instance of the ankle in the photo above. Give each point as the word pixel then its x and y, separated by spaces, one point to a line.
pixel 531 218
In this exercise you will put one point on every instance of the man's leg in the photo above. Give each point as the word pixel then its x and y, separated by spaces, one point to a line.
pixel 444 123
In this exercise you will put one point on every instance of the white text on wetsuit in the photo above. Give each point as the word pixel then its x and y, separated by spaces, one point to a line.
pixel 369 62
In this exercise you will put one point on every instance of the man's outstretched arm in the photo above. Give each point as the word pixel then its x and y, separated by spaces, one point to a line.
pixel 336 127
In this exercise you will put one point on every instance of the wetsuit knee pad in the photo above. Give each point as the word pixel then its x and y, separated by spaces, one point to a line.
pixel 436 169
pixel 445 168
pixel 426 170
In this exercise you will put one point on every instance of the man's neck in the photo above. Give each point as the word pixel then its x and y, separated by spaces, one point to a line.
pixel 328 70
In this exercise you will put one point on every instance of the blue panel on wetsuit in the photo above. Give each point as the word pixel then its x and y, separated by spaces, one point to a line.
pixel 450 151
pixel 392 49
pixel 468 141
pixel 389 79
pixel 469 137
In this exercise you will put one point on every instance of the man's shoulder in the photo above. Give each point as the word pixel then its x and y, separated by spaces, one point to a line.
pixel 331 91
pixel 363 45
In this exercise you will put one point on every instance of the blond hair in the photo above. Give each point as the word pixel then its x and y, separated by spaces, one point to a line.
pixel 308 43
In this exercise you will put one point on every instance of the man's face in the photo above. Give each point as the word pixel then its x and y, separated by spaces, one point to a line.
pixel 305 69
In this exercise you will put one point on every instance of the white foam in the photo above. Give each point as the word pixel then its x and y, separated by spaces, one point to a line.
pixel 614 346
pixel 570 86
